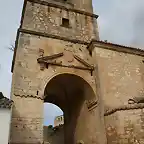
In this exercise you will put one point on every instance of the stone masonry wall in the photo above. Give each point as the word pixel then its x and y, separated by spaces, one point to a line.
pixel 46 19
pixel 121 78
pixel 27 119
pixel 125 127
pixel 29 83
pixel 42 34
pixel 83 5
pixel 67 4
pixel 27 76
pixel 54 135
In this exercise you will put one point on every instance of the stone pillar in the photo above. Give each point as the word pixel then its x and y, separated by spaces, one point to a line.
pixel 27 121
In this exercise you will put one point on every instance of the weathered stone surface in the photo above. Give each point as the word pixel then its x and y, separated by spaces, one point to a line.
pixel 54 135
pixel 46 19
pixel 29 84
pixel 114 76
pixel 121 77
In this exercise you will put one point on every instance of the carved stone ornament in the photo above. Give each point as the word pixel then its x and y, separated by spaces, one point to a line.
pixel 91 103
pixel 48 60
pixel 69 56
pixel 41 52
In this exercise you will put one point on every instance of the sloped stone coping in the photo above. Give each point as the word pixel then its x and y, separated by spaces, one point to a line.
pixel 5 102
pixel 110 111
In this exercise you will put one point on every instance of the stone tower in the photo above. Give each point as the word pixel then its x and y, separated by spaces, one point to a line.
pixel 52 64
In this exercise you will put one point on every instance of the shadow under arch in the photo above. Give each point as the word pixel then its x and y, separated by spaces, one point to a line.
pixel 70 92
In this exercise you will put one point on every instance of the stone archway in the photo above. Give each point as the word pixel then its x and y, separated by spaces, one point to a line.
pixel 72 93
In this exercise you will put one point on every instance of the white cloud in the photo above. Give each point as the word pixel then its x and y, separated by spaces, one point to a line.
pixel 121 21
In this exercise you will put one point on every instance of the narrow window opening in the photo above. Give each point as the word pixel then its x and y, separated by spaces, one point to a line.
pixel 48 9
pixel 47 66
pixel 37 92
pixel 65 22
pixel 91 73
pixel 90 52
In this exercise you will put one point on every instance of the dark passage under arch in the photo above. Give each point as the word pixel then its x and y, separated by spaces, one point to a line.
pixel 70 92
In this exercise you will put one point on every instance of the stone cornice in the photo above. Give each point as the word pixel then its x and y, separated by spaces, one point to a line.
pixel 20 30
pixel 64 8
pixel 42 34
pixel 115 47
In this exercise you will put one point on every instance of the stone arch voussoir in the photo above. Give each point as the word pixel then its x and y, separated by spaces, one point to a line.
pixel 46 79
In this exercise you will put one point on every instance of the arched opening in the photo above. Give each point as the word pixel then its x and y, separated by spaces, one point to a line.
pixel 51 111
pixel 70 93
pixel 53 131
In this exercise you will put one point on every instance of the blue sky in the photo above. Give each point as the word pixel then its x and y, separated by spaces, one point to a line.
pixel 119 22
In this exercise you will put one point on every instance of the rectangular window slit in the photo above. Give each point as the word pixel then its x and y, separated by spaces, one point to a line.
pixel 65 22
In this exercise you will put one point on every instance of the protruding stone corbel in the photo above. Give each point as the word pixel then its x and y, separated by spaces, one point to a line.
pixel 136 100
pixel 51 57
pixel 45 61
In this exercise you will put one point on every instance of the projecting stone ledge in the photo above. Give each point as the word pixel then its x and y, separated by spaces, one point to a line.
pixel 109 111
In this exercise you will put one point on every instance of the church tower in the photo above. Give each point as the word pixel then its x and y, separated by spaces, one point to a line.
pixel 51 52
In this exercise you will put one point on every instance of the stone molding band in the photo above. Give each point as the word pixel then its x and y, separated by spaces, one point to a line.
pixel 115 47
pixel 107 112
pixel 63 7
pixel 123 108
pixel 28 96
pixel 42 34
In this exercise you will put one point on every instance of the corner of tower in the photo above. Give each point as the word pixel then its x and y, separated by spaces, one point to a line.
pixel 84 5
pixel 70 20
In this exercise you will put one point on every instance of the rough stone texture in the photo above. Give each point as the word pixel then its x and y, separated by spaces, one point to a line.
pixel 83 95
pixel 67 4
pixel 32 79
pixel 46 19
pixel 29 83
pixel 125 127
pixel 26 121
pixel 85 5
pixel 54 135
pixel 121 78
